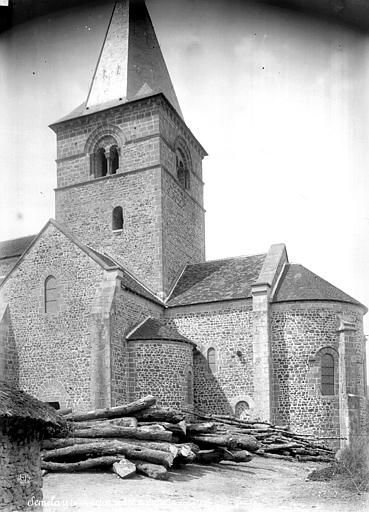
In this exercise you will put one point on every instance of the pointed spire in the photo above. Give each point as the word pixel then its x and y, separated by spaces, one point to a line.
pixel 131 64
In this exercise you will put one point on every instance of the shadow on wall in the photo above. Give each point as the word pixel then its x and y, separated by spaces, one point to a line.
pixel 9 360
pixel 208 394
pixel 280 373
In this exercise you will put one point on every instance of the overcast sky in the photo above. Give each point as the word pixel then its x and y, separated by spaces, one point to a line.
pixel 279 101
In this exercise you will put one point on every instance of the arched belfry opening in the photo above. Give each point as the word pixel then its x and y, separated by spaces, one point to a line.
pixel 183 173
pixel 114 159
pixel 101 164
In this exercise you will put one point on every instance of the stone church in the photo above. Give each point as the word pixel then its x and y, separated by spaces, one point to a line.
pixel 114 299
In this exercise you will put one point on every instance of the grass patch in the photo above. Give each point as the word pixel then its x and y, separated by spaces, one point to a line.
pixel 351 467
pixel 353 464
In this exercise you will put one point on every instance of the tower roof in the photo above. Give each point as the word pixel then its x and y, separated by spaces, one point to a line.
pixel 131 65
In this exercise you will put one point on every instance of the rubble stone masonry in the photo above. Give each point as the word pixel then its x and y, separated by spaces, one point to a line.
pixel 163 369
pixel 163 223
pixel 226 327
pixel 53 347
pixel 21 480
pixel 301 333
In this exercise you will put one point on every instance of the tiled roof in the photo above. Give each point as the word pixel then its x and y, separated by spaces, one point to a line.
pixel 16 247
pixel 154 329
pixel 298 283
pixel 217 280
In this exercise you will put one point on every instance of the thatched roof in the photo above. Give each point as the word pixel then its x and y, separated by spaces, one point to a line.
pixel 18 404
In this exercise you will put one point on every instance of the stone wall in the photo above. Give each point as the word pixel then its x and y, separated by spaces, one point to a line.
pixel 138 245
pixel 21 480
pixel 226 327
pixel 162 369
pixel 9 362
pixel 301 332
pixel 128 310
pixel 53 348
pixel 163 224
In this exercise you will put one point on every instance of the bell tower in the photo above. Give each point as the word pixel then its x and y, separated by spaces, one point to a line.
pixel 129 170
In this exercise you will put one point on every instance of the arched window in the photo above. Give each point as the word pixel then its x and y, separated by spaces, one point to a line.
pixel 327 374
pixel 241 409
pixel 51 298
pixel 117 218
pixel 114 159
pixel 189 387
pixel 183 174
pixel 211 359
pixel 101 164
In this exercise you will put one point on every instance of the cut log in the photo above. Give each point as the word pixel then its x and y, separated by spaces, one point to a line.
pixel 151 470
pixel 215 440
pixel 308 458
pixel 83 465
pixel 130 451
pixel 63 412
pixel 236 455
pixel 280 447
pixel 116 431
pixel 52 444
pixel 115 412
pixel 177 428
pixel 124 468
pixel 201 428
pixel 160 414
pixel 121 422
pixel 185 454
pixel 247 442
pixel 192 446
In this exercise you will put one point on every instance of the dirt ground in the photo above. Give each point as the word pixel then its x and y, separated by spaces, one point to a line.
pixel 258 486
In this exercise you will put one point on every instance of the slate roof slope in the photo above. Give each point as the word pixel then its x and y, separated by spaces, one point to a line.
pixel 156 329
pixel 129 281
pixel 217 280
pixel 297 283
pixel 15 248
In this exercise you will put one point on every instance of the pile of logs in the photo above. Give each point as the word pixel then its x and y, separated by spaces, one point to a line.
pixel 140 437
pixel 274 441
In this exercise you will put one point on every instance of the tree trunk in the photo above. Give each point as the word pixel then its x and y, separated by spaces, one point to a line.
pixel 151 470
pixel 130 451
pixel 160 446
pixel 200 428
pixel 160 414
pixel 280 447
pixel 247 442
pixel 115 412
pixel 236 455
pixel 215 440
pixel 120 422
pixel 116 431
pixel 69 467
